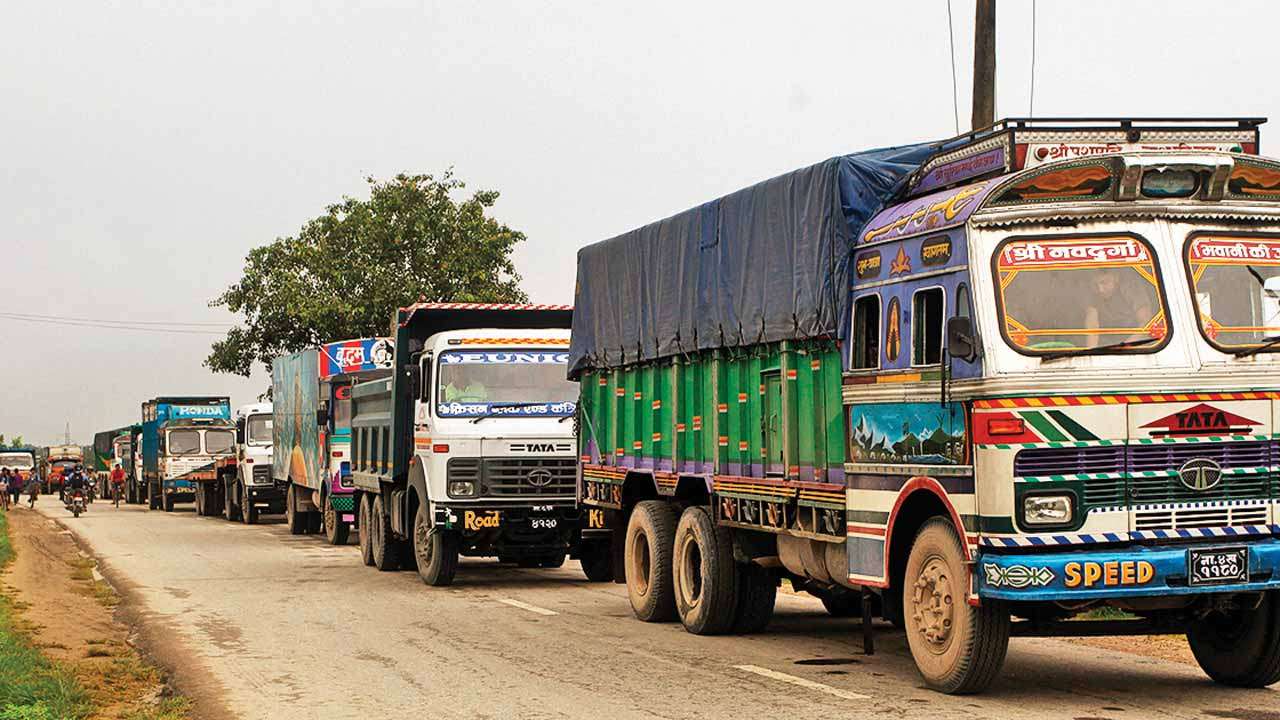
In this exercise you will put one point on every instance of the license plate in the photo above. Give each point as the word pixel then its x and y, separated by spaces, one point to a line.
pixel 544 523
pixel 1220 566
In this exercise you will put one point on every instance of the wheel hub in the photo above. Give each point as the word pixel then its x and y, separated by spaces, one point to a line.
pixel 933 603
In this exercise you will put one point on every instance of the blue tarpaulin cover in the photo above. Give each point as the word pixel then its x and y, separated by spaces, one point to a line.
pixel 769 262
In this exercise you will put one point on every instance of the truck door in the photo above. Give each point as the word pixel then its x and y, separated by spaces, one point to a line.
pixel 771 424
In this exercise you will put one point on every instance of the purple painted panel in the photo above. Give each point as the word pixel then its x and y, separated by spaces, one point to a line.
pixel 963 169
pixel 930 213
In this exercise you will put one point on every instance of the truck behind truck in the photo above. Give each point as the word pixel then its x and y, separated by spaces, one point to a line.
pixel 245 485
pixel 59 461
pixel 182 438
pixel 20 459
pixel 104 454
pixel 467 448
pixel 312 391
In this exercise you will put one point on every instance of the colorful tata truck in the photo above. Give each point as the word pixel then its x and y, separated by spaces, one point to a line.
pixel 981 386
pixel 59 461
pixel 104 454
pixel 20 459
pixel 182 438
pixel 312 431
pixel 467 448
pixel 245 486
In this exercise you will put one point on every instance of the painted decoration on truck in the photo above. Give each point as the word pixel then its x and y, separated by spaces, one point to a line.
pixel 915 433
pixel 1253 181
pixel 926 214
pixel 295 434
pixel 352 356
pixel 1077 182
pixel 513 382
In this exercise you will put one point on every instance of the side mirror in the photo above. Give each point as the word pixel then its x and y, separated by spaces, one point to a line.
pixel 322 414
pixel 962 342
pixel 240 432
pixel 413 374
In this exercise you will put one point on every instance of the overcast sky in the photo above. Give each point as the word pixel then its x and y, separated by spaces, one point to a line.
pixel 144 149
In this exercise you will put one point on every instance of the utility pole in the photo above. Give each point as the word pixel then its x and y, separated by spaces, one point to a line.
pixel 984 64
pixel 67 439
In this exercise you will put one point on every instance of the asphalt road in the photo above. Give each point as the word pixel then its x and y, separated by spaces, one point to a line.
pixel 279 626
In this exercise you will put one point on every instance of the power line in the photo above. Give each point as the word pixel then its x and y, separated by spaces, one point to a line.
pixel 166 323
pixel 74 323
pixel 955 95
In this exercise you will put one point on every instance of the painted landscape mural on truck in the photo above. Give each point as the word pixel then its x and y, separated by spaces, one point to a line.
pixel 295 434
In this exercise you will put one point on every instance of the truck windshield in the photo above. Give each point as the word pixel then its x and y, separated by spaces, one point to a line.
pixel 259 429
pixel 219 441
pixel 1235 279
pixel 21 461
pixel 1096 294
pixel 64 465
pixel 184 442
pixel 527 383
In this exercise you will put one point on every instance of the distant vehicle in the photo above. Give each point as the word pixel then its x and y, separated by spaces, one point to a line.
pixel 245 486
pixel 18 458
pixel 978 387
pixel 182 438
pixel 103 456
pixel 312 391
pixel 467 449
pixel 59 461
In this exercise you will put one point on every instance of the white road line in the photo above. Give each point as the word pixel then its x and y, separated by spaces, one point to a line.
pixel 802 682
pixel 526 606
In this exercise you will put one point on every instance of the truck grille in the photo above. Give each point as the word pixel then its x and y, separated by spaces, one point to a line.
pixel 261 474
pixel 1148 474
pixel 516 477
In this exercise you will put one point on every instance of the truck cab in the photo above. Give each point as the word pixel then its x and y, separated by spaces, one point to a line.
pixel 479 421
pixel 245 485
pixel 183 437
pixel 20 460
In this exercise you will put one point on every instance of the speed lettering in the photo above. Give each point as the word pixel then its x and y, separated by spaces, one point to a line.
pixel 1115 573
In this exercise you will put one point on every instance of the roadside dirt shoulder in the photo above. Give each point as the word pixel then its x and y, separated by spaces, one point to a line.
pixel 70 613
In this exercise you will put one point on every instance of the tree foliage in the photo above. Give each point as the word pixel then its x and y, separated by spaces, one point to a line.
pixel 346 271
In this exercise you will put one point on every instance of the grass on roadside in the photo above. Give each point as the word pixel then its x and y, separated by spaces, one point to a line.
pixel 34 688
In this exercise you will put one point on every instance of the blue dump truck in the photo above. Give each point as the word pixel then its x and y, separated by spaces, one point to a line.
pixel 182 438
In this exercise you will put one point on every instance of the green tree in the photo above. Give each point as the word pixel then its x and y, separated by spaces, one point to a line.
pixel 346 271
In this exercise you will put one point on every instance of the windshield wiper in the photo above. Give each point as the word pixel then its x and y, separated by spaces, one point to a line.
pixel 1100 349
pixel 1265 344
pixel 495 406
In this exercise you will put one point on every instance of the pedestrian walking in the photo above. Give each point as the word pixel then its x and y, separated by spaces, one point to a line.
pixel 15 486
pixel 33 492
pixel 4 489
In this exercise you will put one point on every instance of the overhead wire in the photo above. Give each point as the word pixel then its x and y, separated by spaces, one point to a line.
pixel 167 323
pixel 103 326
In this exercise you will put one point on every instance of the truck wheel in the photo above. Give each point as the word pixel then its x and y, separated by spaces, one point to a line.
pixel 364 529
pixel 650 536
pixel 249 514
pixel 153 502
pixel 757 592
pixel 297 521
pixel 169 502
pixel 200 501
pixel 386 555
pixel 1240 648
pixel 596 560
pixel 436 550
pixel 229 504
pixel 335 531
pixel 314 522
pixel 958 648
pixel 703 573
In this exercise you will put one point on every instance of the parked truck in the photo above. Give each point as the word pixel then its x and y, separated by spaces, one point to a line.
pixel 312 391
pixel 245 486
pixel 978 387
pixel 182 438
pixel 104 455
pixel 59 461
pixel 467 448
pixel 20 459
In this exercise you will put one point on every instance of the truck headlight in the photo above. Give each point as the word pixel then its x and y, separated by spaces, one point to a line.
pixel 462 488
pixel 1047 510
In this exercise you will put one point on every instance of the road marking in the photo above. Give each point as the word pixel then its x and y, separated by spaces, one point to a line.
pixel 802 682
pixel 526 606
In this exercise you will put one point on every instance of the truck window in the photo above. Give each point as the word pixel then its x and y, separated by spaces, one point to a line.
pixel 866 332
pixel 1066 293
pixel 219 441
pixel 184 442
pixel 258 429
pixel 926 326
pixel 471 383
pixel 1235 280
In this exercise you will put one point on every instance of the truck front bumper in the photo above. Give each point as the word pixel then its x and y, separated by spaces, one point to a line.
pixel 262 494
pixel 1119 572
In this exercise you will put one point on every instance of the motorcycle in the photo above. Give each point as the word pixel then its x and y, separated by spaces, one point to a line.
pixel 75 501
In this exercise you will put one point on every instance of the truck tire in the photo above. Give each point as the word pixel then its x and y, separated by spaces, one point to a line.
pixel 958 648
pixel 386 549
pixel 230 509
pixel 315 522
pixel 296 521
pixel 169 502
pixel 336 531
pixel 435 549
pixel 153 501
pixel 651 534
pixel 703 573
pixel 757 593
pixel 1240 648
pixel 363 528
pixel 248 512
pixel 596 560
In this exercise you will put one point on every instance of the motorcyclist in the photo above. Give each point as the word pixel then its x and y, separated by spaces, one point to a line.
pixel 77 480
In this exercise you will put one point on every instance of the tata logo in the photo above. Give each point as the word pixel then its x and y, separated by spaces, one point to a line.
pixel 540 478
pixel 472 520
pixel 1200 474
pixel 534 447
pixel 1201 420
